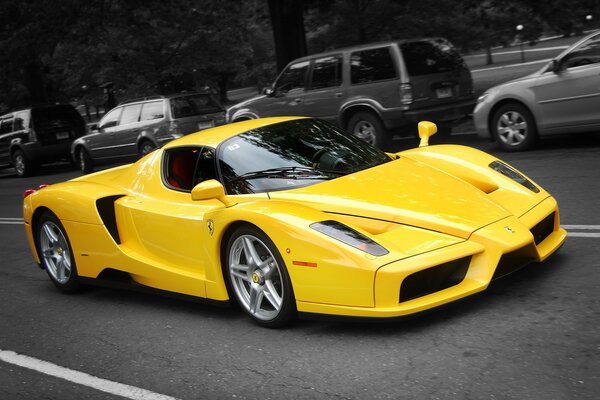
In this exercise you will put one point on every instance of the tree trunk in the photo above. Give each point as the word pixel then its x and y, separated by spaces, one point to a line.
pixel 287 20
pixel 35 81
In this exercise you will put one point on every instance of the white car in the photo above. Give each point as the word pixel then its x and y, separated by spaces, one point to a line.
pixel 562 97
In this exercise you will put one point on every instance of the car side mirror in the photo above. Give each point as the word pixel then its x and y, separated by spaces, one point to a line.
pixel 94 128
pixel 555 66
pixel 426 130
pixel 210 189
pixel 268 91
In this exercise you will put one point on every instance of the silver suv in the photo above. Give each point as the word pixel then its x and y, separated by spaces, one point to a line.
pixel 371 90
pixel 136 127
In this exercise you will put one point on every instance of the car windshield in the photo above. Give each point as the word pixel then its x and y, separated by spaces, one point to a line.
pixel 292 154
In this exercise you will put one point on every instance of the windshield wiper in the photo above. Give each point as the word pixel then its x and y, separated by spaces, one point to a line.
pixel 296 172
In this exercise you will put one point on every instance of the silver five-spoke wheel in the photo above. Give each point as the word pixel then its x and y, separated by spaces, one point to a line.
pixel 513 127
pixel 55 252
pixel 258 278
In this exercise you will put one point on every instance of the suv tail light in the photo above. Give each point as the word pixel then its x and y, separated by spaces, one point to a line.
pixel 406 94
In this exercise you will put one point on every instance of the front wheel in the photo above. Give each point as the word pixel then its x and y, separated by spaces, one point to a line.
pixel 368 127
pixel 86 164
pixel 257 277
pixel 54 250
pixel 23 165
pixel 513 128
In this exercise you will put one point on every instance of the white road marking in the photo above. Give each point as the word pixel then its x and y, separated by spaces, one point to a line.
pixel 81 378
pixel 582 227
pixel 11 221
pixel 584 234
pixel 475 71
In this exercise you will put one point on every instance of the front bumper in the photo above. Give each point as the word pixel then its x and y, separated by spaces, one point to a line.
pixel 491 251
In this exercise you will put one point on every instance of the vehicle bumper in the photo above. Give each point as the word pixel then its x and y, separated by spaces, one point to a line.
pixel 491 252
pixel 480 120
pixel 446 113
pixel 40 154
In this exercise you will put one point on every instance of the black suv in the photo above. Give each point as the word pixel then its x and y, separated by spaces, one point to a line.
pixel 373 89
pixel 38 135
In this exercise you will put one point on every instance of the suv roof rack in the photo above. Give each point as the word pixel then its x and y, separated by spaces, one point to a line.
pixel 142 99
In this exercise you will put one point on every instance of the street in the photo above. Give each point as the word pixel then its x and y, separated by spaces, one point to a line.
pixel 532 335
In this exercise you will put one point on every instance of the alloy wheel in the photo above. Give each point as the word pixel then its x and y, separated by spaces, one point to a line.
pixel 55 252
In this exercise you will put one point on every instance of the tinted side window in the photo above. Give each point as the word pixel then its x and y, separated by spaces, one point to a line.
pixel 194 105
pixel 152 110
pixel 293 77
pixel 111 118
pixel 586 53
pixel 372 65
pixel 431 57
pixel 130 114
pixel 7 126
pixel 327 72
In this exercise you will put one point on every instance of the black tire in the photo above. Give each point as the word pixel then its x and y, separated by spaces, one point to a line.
pixel 368 127
pixel 145 147
pixel 86 164
pixel 23 165
pixel 264 289
pixel 55 252
pixel 514 128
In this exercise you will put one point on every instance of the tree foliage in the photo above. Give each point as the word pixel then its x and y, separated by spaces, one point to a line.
pixel 66 50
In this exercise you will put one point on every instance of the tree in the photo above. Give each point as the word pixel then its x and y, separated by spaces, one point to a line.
pixel 287 19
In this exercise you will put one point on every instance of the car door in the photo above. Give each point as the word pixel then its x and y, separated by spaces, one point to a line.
pixel 100 144
pixel 325 94
pixel 126 135
pixel 167 228
pixel 569 97
pixel 288 93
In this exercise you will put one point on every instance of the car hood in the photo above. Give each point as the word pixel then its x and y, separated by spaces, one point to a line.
pixel 405 192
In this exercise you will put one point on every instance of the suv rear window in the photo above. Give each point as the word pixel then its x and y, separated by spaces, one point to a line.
pixel 431 57
pixel 194 105
pixel 372 65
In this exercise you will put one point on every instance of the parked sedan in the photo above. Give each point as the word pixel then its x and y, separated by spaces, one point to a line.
pixel 563 97
pixel 136 127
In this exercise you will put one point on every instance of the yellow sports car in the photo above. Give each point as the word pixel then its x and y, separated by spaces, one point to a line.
pixel 293 216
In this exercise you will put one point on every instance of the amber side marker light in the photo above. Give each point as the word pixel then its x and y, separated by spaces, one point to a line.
pixel 32 191
pixel 305 264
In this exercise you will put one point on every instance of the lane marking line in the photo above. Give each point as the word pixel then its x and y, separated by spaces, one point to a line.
pixel 582 227
pixel 583 234
pixel 474 71
pixel 81 378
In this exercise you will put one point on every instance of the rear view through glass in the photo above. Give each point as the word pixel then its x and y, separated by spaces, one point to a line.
pixel 431 57
pixel 194 105
pixel 56 124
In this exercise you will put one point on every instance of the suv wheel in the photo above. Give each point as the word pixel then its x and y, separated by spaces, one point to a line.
pixel 23 166
pixel 146 147
pixel 368 127
pixel 513 127
pixel 86 165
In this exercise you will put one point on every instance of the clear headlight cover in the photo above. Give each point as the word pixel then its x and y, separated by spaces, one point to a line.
pixel 347 235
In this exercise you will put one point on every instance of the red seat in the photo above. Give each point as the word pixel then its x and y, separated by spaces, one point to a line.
pixel 181 170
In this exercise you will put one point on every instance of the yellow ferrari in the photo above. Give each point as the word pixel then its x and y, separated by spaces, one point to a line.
pixel 293 216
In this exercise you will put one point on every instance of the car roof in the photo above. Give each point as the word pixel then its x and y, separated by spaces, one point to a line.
pixel 366 46
pixel 214 136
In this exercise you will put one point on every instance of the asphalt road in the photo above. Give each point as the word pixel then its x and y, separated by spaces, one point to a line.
pixel 533 335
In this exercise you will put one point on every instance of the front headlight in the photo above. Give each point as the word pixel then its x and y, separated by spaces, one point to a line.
pixel 482 98
pixel 347 235
pixel 513 174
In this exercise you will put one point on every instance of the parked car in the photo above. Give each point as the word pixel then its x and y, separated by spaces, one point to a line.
pixel 371 90
pixel 562 97
pixel 136 127
pixel 37 135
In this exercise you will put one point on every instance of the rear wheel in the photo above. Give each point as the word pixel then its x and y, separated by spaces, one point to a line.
pixel 54 250
pixel 23 165
pixel 513 127
pixel 258 279
pixel 368 127
pixel 86 164
pixel 146 147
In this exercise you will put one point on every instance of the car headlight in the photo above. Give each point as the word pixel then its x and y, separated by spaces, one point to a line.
pixel 347 235
pixel 513 174
pixel 482 98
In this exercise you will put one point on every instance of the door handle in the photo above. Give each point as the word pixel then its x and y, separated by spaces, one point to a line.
pixel 296 101
pixel 339 94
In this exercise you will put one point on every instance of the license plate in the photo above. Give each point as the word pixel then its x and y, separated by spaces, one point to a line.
pixel 442 93
pixel 205 124
pixel 62 135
